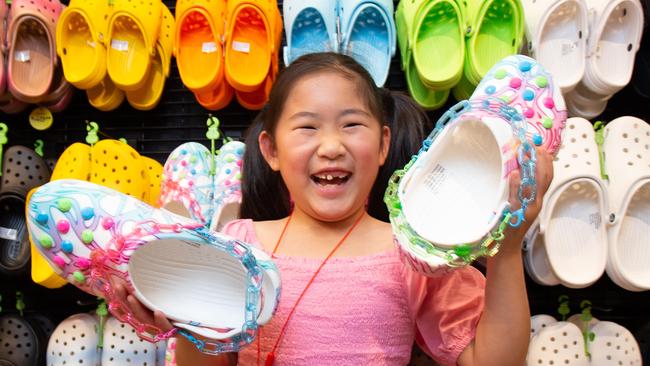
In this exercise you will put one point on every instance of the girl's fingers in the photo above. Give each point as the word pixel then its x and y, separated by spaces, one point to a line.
pixel 161 321
pixel 139 311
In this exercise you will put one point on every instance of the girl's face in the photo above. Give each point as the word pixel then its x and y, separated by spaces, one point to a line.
pixel 327 146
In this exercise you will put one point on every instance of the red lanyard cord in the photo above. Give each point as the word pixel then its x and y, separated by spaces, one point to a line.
pixel 270 358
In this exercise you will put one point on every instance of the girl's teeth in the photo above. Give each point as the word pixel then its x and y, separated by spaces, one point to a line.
pixel 329 177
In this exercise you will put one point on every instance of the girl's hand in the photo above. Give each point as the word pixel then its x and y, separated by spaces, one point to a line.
pixel 140 312
pixel 543 176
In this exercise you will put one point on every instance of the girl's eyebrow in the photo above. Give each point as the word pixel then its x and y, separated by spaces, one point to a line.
pixel 312 115
pixel 353 111
pixel 304 114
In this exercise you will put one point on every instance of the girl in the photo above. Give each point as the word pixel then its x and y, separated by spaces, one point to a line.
pixel 317 160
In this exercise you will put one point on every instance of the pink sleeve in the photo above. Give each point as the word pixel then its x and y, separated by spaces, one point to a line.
pixel 446 310
pixel 241 229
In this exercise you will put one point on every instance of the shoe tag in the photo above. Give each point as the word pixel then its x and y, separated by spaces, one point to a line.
pixel 244 47
pixel 8 234
pixel 118 45
pixel 569 47
pixel 209 47
pixel 22 56
pixel 595 220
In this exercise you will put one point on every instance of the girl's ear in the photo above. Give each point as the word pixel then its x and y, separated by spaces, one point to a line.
pixel 385 144
pixel 268 150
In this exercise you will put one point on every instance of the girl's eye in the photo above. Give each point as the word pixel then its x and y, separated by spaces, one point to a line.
pixel 353 124
pixel 306 128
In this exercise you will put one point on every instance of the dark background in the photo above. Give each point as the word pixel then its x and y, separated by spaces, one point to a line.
pixel 179 118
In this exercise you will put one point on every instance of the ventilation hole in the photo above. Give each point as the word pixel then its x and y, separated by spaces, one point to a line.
pixel 629 47
pixel 630 163
pixel 625 150
pixel 584 135
pixel 625 135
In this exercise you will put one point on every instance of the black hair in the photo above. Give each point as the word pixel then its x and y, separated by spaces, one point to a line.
pixel 264 194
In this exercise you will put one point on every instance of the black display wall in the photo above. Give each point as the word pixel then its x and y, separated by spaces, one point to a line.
pixel 179 118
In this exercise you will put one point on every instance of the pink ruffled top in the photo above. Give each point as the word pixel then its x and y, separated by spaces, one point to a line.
pixel 366 310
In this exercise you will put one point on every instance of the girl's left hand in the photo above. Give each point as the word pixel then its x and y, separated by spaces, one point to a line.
pixel 543 177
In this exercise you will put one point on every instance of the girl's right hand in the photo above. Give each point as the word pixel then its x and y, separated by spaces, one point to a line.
pixel 140 312
pixel 186 352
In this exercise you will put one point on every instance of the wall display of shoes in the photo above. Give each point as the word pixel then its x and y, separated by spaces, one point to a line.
pixel 199 56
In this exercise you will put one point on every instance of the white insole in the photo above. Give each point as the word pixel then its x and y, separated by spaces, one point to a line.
pixel 615 46
pixel 575 238
pixel 633 242
pixel 450 199
pixel 211 283
pixel 561 49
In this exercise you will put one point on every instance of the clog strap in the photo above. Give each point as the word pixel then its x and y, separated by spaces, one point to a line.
pixel 165 43
pixel 599 12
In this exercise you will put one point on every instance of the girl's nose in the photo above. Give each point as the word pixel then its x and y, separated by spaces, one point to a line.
pixel 331 146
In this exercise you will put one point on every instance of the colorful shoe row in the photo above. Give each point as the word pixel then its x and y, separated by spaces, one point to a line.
pixel 588 45
pixel 449 205
pixel 450 45
pixel 30 72
pixel 228 49
pixel 589 224
pixel 114 49
pixel 364 30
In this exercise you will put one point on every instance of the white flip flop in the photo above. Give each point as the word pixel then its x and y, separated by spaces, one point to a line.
pixel 614 345
pixel 561 343
pixel 627 161
pixel 571 219
pixel 74 342
pixel 614 38
pixel 122 346
pixel 557 37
